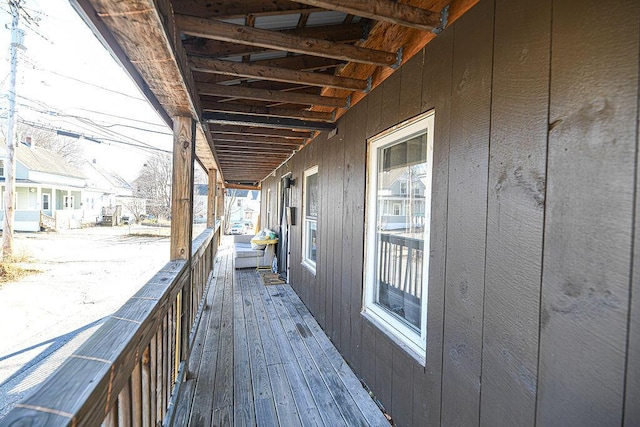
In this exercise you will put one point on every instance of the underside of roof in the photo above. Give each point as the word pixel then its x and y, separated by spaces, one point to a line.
pixel 262 77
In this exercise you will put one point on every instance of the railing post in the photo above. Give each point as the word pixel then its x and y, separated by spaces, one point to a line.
pixel 211 198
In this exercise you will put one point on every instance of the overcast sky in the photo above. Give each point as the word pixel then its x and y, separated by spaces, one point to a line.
pixel 67 80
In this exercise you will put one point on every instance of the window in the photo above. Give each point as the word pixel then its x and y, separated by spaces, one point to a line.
pixel 68 202
pixel 1 167
pixel 397 246
pixel 45 202
pixel 310 215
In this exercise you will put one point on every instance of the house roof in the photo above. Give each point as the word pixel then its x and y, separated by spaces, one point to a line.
pixel 112 179
pixel 263 77
pixel 47 161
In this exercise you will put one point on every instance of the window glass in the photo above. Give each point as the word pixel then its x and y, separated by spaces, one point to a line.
pixel 310 209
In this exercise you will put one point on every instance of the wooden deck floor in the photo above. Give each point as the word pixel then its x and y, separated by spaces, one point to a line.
pixel 260 358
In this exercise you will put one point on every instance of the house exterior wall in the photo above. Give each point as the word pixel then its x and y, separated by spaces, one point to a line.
pixel 531 316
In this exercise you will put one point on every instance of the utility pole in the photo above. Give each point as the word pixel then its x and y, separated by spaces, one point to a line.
pixel 17 36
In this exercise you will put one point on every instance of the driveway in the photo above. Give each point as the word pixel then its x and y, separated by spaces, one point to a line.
pixel 85 275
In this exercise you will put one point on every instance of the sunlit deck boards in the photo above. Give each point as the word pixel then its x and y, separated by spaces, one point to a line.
pixel 261 359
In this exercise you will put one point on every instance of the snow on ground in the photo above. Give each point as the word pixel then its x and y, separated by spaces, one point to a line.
pixel 86 275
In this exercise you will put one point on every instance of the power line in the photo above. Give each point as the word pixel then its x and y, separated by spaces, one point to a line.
pixel 37 67
pixel 93 138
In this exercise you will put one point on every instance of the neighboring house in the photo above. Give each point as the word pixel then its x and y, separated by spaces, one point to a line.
pixel 245 207
pixel 45 184
pixel 105 191
pixel 401 200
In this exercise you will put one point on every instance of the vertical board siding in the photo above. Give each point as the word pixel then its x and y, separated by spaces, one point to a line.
pixel 337 149
pixel 349 201
pixel 466 232
pixel 436 94
pixel 531 319
pixel 632 386
pixel 519 115
pixel 589 212
pixel 357 134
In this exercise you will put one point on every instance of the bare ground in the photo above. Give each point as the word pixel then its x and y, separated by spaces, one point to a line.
pixel 84 276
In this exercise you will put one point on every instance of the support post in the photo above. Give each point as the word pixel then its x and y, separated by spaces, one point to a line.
pixel 211 198
pixel 181 221
pixel 220 209
pixel 182 188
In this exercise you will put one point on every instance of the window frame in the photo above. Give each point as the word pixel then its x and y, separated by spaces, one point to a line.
pixel 307 262
pixel 400 331
pixel 46 196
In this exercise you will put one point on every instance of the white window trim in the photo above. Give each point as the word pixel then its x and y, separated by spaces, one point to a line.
pixel 48 197
pixel 415 343
pixel 311 265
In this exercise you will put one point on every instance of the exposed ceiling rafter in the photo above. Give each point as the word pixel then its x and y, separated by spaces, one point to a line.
pixel 240 34
pixel 226 107
pixel 269 122
pixel 238 92
pixel 217 130
pixel 387 11
pixel 240 69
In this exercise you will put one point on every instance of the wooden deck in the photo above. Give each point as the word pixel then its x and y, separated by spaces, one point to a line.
pixel 260 358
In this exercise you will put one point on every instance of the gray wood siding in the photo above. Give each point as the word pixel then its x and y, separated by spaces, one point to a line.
pixel 531 316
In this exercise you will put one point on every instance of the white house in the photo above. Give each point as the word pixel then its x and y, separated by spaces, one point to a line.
pixel 104 191
pixel 46 184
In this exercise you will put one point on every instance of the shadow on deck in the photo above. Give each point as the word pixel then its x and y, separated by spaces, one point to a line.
pixel 260 358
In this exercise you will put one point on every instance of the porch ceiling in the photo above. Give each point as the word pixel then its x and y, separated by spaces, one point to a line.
pixel 263 77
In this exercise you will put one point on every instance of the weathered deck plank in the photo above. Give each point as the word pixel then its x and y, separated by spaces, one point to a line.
pixel 265 361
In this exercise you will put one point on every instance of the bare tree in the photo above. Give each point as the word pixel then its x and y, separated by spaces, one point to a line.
pixel 230 207
pixel 154 185
pixel 137 206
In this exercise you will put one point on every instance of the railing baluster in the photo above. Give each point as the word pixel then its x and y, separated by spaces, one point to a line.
pixel 153 368
pixel 124 406
pixel 136 395
pixel 111 419
pixel 166 338
pixel 146 387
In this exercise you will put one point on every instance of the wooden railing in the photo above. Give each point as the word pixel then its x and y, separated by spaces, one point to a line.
pixel 126 373
pixel 47 222
pixel 400 271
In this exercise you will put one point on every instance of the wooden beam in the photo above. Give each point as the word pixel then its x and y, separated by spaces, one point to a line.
pixel 248 131
pixel 232 33
pixel 239 69
pixel 254 110
pixel 257 140
pixel 269 122
pixel 251 152
pixel 340 33
pixel 253 148
pixel 383 10
pixel 271 95
pixel 233 186
pixel 239 9
pixel 182 188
